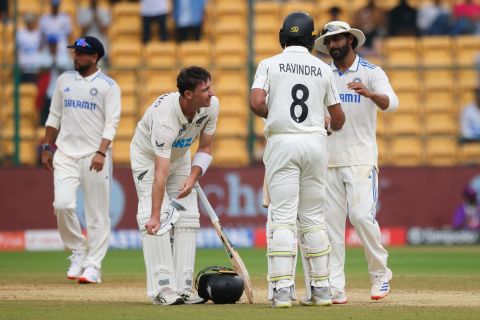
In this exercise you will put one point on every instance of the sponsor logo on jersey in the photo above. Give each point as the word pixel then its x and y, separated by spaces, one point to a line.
pixel 79 104
pixel 182 143
pixel 159 145
pixel 93 91
pixel 304 70
pixel 350 97
pixel 67 89
pixel 199 121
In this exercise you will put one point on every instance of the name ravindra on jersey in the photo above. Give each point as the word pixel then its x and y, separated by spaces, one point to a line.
pixel 304 70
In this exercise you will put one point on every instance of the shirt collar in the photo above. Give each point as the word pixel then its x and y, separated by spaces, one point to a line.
pixel 295 49
pixel 353 67
pixel 178 111
pixel 90 78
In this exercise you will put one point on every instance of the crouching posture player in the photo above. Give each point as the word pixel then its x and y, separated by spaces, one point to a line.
pixel 162 169
pixel 299 86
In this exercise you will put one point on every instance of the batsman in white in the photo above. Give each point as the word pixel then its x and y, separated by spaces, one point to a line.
pixel 163 169
pixel 84 112
pixel 352 168
pixel 291 90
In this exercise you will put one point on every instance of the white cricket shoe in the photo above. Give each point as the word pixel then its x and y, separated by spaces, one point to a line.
pixel 381 285
pixel 282 298
pixel 75 270
pixel 191 298
pixel 339 296
pixel 166 297
pixel 321 296
pixel 91 274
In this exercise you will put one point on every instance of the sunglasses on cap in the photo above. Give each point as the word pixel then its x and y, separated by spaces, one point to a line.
pixel 82 43
pixel 332 28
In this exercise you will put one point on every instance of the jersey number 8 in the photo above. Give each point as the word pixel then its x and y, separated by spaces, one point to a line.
pixel 294 110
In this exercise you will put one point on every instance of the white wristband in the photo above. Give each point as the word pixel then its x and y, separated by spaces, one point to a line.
pixel 203 160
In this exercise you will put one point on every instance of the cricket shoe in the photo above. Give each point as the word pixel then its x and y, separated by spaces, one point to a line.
pixel 91 274
pixel 75 270
pixel 282 298
pixel 321 296
pixel 339 296
pixel 191 298
pixel 167 297
pixel 381 285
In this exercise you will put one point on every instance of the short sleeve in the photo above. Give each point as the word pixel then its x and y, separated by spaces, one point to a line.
pixel 262 80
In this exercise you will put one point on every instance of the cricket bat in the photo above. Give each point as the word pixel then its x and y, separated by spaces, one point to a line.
pixel 235 258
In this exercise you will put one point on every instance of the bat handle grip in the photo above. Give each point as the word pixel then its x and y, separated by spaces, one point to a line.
pixel 206 204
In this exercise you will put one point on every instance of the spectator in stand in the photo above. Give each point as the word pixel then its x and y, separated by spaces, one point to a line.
pixel 402 20
pixel 94 21
pixel 470 120
pixel 4 11
pixel 28 46
pixel 188 16
pixel 370 19
pixel 466 17
pixel 467 215
pixel 433 18
pixel 56 24
pixel 335 13
pixel 52 63
pixel 154 10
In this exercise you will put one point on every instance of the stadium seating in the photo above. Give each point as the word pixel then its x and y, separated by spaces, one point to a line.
pixel 441 151
pixel 401 51
pixel 436 51
pixel 161 54
pixel 230 152
pixel 406 151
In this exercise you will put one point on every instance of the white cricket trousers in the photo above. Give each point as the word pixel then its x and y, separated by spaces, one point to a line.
pixel 69 174
pixel 352 191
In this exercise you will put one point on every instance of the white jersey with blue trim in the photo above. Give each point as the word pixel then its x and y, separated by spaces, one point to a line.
pixel 298 85
pixel 85 110
pixel 356 143
pixel 166 132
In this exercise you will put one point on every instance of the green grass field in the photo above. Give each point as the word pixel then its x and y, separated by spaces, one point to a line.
pixel 429 283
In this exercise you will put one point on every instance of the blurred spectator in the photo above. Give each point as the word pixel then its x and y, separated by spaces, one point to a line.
pixel 52 63
pixel 28 46
pixel 466 18
pixel 154 10
pixel 467 215
pixel 433 18
pixel 470 120
pixel 188 16
pixel 371 20
pixel 4 11
pixel 94 21
pixel 335 13
pixel 402 20
pixel 56 24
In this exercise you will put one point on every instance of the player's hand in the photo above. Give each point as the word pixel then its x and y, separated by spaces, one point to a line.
pixel 97 162
pixel 153 225
pixel 186 188
pixel 47 160
pixel 327 124
pixel 359 88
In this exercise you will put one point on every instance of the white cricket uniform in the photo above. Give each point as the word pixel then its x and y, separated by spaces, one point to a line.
pixel 298 86
pixel 165 131
pixel 352 187
pixel 85 110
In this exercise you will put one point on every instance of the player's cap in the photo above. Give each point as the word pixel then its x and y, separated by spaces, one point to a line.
pixel 88 45
pixel 336 27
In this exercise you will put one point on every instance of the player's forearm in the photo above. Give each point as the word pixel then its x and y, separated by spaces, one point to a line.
pixel 104 145
pixel 258 103
pixel 158 191
pixel 380 99
pixel 50 135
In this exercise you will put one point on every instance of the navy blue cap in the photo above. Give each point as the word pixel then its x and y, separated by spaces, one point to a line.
pixel 88 45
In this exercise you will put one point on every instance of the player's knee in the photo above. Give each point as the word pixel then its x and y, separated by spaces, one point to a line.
pixel 357 219
pixel 61 205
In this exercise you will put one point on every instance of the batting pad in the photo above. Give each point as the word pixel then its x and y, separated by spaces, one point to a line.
pixel 159 266
pixel 184 249
pixel 190 217
pixel 315 248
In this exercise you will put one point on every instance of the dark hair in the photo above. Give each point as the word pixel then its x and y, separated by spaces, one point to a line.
pixel 189 78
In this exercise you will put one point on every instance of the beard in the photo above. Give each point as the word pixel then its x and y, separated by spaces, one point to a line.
pixel 339 53
pixel 82 68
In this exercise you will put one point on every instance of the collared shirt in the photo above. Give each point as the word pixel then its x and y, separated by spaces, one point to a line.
pixel 164 130
pixel 85 110
pixel 356 143
pixel 299 86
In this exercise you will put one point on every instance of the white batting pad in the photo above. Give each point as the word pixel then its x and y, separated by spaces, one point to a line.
pixel 184 249
pixel 315 248
pixel 158 257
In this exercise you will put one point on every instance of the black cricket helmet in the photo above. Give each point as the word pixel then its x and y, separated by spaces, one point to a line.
pixel 298 27
pixel 220 284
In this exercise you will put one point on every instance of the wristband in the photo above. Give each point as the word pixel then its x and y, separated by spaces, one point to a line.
pixel 46 147
pixel 202 160
pixel 101 153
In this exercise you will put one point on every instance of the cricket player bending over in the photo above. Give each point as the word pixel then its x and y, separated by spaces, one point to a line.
pixel 162 169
